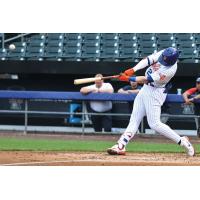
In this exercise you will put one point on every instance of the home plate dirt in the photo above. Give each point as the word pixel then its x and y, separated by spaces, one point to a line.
pixel 26 158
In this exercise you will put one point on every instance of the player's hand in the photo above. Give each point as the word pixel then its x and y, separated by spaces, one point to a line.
pixel 123 77
pixel 129 72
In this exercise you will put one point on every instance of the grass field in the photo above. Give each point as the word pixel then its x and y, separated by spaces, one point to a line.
pixel 88 146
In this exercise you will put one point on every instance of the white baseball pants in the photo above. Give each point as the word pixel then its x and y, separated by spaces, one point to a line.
pixel 148 102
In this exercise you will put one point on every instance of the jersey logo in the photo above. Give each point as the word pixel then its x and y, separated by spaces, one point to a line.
pixel 149 72
pixel 155 66
pixel 162 76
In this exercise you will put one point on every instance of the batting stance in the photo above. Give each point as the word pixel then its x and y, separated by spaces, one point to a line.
pixel 162 67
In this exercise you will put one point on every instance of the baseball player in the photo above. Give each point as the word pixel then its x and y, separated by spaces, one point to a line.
pixel 162 67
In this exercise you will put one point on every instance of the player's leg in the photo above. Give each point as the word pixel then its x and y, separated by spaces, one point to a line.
pixel 136 117
pixel 153 111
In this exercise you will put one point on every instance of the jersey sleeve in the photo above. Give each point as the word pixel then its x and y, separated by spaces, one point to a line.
pixel 149 60
pixel 191 91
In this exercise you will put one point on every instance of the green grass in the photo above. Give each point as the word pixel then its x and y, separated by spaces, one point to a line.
pixel 90 146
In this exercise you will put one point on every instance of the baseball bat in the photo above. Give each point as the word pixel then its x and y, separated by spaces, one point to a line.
pixel 89 80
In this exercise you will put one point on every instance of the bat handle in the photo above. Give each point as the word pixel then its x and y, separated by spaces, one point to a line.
pixel 109 77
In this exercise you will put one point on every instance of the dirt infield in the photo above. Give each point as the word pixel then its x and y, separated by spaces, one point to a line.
pixel 35 158
pixel 21 158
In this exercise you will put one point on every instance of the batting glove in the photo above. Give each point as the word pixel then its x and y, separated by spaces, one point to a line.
pixel 123 77
pixel 129 72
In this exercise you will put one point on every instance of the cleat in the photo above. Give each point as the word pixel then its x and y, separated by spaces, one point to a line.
pixel 187 145
pixel 115 150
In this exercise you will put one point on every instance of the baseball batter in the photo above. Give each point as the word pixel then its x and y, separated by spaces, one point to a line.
pixel 162 67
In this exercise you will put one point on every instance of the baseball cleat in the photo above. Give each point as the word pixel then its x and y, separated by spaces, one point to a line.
pixel 187 145
pixel 115 150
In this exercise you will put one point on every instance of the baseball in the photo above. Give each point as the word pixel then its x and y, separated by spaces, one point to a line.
pixel 12 47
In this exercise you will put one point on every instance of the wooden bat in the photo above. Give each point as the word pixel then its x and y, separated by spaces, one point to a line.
pixel 89 80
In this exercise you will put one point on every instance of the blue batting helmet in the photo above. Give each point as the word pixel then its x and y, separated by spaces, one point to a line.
pixel 168 57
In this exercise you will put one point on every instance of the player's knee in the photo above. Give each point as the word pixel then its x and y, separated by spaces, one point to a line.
pixel 154 125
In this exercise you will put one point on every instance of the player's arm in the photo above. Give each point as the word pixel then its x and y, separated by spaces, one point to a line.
pixel 149 60
pixel 138 79
pixel 188 93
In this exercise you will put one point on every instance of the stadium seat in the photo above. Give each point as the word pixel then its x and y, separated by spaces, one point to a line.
pixel 164 44
pixel 147 44
pixel 18 53
pixel 53 52
pixel 109 36
pixel 110 53
pixel 73 37
pixel 34 52
pixel 128 53
pixel 72 52
pixel 185 44
pixel 3 54
pixel 128 37
pixel 187 53
pixel 90 53
pixel 41 36
pixel 55 36
pixel 165 36
pixel 146 36
pixel 197 38
pixel 184 36
pixel 145 51
pixel 89 37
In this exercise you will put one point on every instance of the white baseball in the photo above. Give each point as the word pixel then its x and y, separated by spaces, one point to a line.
pixel 12 47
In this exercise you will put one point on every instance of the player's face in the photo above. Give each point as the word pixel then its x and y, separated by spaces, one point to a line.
pixel 98 83
pixel 133 84
pixel 198 85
